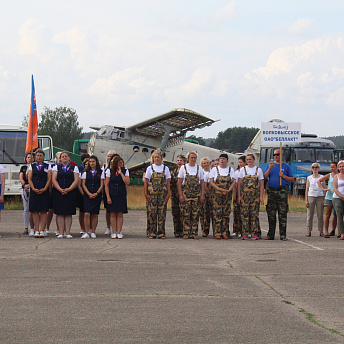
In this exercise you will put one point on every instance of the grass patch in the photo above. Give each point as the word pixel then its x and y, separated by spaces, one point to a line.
pixel 137 201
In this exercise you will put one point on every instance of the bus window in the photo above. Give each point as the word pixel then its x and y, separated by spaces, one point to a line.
pixel 303 155
pixel 12 147
pixel 45 144
pixel 263 155
pixel 323 155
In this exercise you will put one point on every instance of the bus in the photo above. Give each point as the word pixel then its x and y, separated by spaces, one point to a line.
pixel 12 153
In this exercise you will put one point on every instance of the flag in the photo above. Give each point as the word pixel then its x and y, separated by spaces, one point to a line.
pixel 32 138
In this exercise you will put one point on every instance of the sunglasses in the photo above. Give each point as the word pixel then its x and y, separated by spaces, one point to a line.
pixel 315 167
pixel 276 154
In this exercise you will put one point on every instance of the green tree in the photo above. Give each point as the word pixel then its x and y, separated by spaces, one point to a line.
pixel 62 125
pixel 235 140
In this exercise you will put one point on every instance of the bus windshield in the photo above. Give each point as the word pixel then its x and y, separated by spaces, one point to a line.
pixel 303 155
pixel 323 155
pixel 12 147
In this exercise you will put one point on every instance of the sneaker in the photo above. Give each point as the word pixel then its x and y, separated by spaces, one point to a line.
pixel 32 232
pixel 108 231
pixel 36 234
pixel 82 233
pixel 113 236
pixel 244 237
pixel 57 233
pixel 85 236
pixel 255 237
pixel 60 236
pixel 120 236
pixel 41 234
pixel 46 233
pixel 68 236
pixel 93 235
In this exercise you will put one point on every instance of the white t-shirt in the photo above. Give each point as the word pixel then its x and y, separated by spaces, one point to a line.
pixel 83 176
pixel 192 170
pixel 206 176
pixel 222 171
pixel 251 171
pixel 108 173
pixel 45 170
pixel 158 169
pixel 314 189
pixel 2 170
pixel 76 170
pixel 236 176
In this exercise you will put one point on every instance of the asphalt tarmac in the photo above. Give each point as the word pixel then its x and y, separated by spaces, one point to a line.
pixel 136 290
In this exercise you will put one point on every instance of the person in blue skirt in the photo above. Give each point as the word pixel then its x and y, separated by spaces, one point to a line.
pixel 92 184
pixel 65 180
pixel 39 177
pixel 116 181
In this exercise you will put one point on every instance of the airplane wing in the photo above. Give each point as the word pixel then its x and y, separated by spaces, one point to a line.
pixel 176 123
pixel 138 170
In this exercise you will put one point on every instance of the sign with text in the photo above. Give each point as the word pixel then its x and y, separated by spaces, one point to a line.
pixel 276 132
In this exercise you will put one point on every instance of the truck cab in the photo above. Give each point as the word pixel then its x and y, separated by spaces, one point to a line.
pixel 300 156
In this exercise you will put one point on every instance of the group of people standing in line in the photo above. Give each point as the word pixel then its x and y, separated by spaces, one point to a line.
pixel 199 193
pixel 61 188
pixel 318 196
pixel 206 192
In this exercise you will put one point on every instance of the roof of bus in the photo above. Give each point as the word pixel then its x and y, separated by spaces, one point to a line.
pixel 9 127
pixel 306 141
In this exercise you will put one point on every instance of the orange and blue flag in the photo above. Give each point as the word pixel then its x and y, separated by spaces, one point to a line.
pixel 32 136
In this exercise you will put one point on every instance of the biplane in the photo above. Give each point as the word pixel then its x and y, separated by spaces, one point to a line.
pixel 136 143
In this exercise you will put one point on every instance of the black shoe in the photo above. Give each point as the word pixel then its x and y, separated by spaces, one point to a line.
pixel 332 233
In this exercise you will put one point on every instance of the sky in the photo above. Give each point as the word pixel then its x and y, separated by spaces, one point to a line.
pixel 121 62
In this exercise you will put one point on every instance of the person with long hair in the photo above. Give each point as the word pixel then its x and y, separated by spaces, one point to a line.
pixel 338 197
pixel 65 181
pixel 110 155
pixel 205 213
pixel 80 195
pixel 191 195
pixel 157 193
pixel 92 184
pixel 39 177
pixel 25 193
pixel 250 195
pixel 222 181
pixel 237 224
pixel 116 181
pixel 314 196
pixel 329 199
pixel 175 207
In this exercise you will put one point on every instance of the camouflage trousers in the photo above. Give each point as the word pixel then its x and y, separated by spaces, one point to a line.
pixel 237 225
pixel 250 215
pixel 205 215
pixel 221 209
pixel 177 216
pixel 277 201
pixel 156 215
pixel 190 210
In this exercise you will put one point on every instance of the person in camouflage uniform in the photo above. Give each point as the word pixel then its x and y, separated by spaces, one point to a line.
pixel 237 225
pixel 278 195
pixel 191 195
pixel 176 213
pixel 222 182
pixel 250 193
pixel 157 193
pixel 205 213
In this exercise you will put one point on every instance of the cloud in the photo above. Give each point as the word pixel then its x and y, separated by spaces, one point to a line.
pixel 312 70
pixel 200 78
pixel 225 13
pixel 301 27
